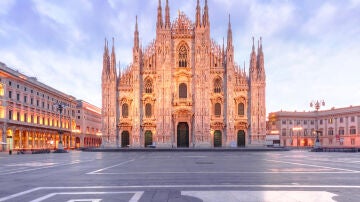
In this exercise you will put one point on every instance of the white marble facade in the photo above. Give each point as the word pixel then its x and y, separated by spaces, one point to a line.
pixel 183 90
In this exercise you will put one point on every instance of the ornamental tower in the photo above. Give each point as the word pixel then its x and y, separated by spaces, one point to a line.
pixel 108 86
pixel 257 95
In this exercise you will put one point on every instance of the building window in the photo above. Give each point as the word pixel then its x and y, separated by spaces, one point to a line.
pixel 148 86
pixel 182 90
pixel 217 85
pixel 148 110
pixel 330 141
pixel 125 110
pixel 32 101
pixel 25 117
pixel 18 96
pixel 321 122
pixel 9 83
pixel 43 104
pixel 352 130
pixel 10 114
pixel 352 119
pixel 283 132
pixel 341 131
pixel 17 86
pixel 352 141
pixel 183 56
pixel 330 131
pixel 341 119
pixel 78 111
pixel 290 122
pixel 241 109
pixel 18 116
pixel 32 118
pixel 25 99
pixel 283 122
pixel 37 102
pixel 10 94
pixel 305 132
pixel 78 117
pixel 217 109
pixel 305 122
pixel 312 122
pixel 330 120
pixel 298 122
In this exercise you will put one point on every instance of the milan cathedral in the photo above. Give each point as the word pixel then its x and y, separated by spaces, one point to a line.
pixel 183 90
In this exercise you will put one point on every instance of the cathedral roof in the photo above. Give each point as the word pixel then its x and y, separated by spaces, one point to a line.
pixel 182 26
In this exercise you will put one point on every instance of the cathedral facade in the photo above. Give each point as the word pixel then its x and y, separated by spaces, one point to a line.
pixel 183 90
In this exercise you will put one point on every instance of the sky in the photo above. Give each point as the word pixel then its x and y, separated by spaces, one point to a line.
pixel 311 48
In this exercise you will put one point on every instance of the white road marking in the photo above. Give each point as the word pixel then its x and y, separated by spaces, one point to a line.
pixel 20 170
pixel 230 172
pixel 268 196
pixel 122 163
pixel 137 195
pixel 292 186
pixel 194 156
pixel 85 200
pixel 31 164
pixel 311 165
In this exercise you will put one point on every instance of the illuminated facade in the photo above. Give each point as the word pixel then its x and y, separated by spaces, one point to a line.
pixel 337 127
pixel 88 125
pixel 183 90
pixel 29 118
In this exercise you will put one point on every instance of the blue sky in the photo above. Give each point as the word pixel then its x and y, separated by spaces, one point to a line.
pixel 312 48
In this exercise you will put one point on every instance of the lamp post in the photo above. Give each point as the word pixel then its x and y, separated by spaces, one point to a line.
pixel 60 106
pixel 316 105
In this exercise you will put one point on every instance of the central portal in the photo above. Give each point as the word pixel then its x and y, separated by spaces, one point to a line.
pixel 183 135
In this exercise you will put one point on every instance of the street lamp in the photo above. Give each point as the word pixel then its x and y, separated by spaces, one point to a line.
pixel 316 105
pixel 60 106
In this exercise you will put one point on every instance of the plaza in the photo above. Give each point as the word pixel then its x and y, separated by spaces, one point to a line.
pixel 296 175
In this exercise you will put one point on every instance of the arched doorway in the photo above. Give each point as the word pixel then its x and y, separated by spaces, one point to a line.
pixel 77 142
pixel 183 135
pixel 217 138
pixel 125 139
pixel 148 138
pixel 241 138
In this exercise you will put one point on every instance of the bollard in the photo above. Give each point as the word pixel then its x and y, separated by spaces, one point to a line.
pixel 10 152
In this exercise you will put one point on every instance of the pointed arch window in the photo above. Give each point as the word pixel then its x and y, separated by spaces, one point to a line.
pixel 217 85
pixel 148 86
pixel 183 55
pixel 241 109
pixel 125 110
pixel 182 90
pixel 148 110
pixel 217 109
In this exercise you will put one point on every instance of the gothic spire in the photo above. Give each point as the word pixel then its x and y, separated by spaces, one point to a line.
pixel 167 15
pixel 261 67
pixel 136 36
pixel 159 23
pixel 198 20
pixel 113 60
pixel 253 58
pixel 229 35
pixel 106 67
pixel 206 15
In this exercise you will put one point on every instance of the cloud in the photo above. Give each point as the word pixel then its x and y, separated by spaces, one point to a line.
pixel 5 6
